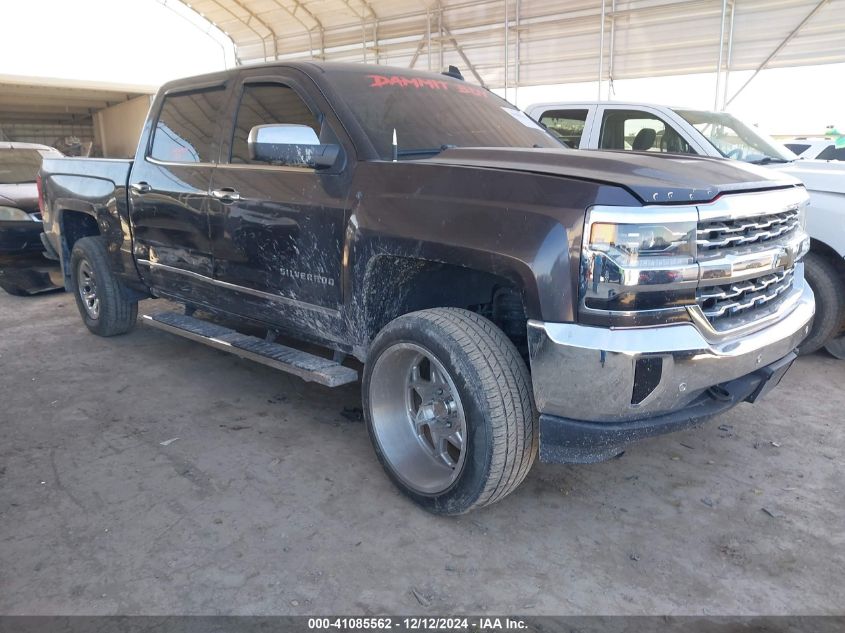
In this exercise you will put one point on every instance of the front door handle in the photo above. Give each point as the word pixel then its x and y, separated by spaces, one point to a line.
pixel 227 194
pixel 140 187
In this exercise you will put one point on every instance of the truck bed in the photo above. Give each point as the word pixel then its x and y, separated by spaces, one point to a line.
pixel 114 170
pixel 93 188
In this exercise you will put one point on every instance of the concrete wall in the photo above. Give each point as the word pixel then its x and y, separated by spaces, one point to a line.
pixel 117 128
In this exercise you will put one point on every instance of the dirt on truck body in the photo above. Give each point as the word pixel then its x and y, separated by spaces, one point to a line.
pixel 508 297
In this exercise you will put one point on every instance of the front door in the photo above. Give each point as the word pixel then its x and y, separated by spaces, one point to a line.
pixel 169 190
pixel 638 130
pixel 278 231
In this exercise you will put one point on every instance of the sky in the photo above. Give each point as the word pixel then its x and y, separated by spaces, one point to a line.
pixel 148 42
pixel 139 42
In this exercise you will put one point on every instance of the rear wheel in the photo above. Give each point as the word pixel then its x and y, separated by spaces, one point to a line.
pixel 829 290
pixel 448 407
pixel 99 293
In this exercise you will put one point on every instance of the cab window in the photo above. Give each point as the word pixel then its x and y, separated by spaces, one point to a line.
pixel 186 126
pixel 567 125
pixel 640 132
pixel 263 104
pixel 831 152
pixel 797 148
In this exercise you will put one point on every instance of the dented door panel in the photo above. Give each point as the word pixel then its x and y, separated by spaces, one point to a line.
pixel 284 235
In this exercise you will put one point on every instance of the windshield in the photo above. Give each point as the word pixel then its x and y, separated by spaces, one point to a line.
pixel 735 139
pixel 19 165
pixel 431 113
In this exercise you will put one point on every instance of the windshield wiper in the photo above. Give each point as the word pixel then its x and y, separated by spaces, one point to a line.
pixel 424 151
pixel 767 160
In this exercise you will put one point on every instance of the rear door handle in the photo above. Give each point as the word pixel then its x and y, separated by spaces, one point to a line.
pixel 227 194
pixel 140 187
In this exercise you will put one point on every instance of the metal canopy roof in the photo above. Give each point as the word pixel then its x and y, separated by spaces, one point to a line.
pixel 538 41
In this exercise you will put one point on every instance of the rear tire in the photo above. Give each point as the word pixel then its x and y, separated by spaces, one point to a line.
pixel 98 292
pixel 829 288
pixel 475 393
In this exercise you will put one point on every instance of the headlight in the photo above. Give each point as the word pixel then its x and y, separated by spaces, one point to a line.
pixel 13 214
pixel 638 266
pixel 645 245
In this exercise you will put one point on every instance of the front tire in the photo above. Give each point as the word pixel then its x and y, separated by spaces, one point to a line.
pixel 829 289
pixel 448 407
pixel 99 293
pixel 836 347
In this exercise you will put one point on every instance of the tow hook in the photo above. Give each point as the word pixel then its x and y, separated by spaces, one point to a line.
pixel 718 392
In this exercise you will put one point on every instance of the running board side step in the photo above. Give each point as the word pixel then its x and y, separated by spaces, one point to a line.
pixel 293 361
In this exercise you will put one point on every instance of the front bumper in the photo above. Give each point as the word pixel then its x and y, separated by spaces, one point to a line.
pixel 634 378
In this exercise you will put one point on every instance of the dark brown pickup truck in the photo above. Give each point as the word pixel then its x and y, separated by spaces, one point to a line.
pixel 502 291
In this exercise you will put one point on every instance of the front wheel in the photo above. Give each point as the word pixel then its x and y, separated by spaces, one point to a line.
pixel 99 293
pixel 448 406
pixel 836 347
pixel 829 290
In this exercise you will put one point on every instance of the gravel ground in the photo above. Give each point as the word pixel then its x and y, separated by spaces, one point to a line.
pixel 271 501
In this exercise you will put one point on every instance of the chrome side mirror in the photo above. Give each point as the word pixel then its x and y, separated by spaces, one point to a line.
pixel 290 145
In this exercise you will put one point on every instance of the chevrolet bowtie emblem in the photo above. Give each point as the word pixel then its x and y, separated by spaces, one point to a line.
pixel 785 258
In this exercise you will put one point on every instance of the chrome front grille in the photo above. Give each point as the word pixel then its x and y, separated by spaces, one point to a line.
pixel 732 300
pixel 717 234
pixel 730 249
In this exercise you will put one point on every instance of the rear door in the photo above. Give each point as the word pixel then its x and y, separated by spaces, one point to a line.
pixel 278 231
pixel 169 192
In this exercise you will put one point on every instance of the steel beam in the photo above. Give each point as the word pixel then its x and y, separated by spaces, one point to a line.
pixel 417 52
pixel 721 54
pixel 460 51
pixel 612 48
pixel 730 54
pixel 507 43
pixel 516 52
pixel 778 49
pixel 601 46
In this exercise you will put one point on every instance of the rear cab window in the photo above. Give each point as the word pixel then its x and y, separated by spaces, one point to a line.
pixel 638 131
pixel 186 126
pixel 567 125
pixel 797 148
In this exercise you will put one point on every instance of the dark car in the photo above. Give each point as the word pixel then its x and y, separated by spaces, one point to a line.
pixel 503 293
pixel 23 267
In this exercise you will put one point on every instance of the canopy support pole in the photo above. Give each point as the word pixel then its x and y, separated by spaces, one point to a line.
pixel 778 49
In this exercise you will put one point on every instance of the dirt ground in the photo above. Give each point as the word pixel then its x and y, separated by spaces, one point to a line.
pixel 271 501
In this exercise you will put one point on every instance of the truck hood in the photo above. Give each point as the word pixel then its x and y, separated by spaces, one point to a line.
pixel 651 178
pixel 22 195
pixel 817 175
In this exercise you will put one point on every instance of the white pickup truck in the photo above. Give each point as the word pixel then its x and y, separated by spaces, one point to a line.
pixel 643 127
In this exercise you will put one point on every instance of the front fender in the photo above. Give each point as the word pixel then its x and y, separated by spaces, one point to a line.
pixel 826 219
pixel 523 227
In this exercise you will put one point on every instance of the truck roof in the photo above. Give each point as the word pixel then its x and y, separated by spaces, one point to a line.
pixel 308 67
pixel 586 102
